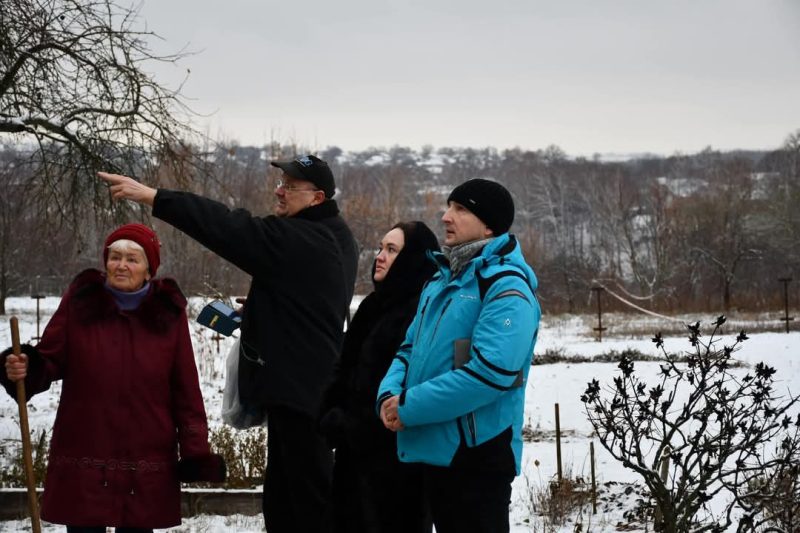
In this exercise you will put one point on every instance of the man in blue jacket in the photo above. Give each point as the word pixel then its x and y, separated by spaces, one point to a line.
pixel 455 392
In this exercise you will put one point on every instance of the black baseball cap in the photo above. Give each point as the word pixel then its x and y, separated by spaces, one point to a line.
pixel 310 168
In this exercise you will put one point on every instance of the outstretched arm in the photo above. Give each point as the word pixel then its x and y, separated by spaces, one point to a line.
pixel 125 188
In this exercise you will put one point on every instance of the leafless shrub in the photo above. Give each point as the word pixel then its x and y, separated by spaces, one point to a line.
pixel 552 504
pixel 14 474
pixel 244 454
pixel 716 424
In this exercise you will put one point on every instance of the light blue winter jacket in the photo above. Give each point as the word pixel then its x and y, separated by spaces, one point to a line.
pixel 486 395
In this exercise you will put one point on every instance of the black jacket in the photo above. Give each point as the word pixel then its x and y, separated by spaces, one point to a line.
pixel 303 269
pixel 348 415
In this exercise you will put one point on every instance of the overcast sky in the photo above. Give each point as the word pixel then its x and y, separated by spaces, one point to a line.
pixel 590 76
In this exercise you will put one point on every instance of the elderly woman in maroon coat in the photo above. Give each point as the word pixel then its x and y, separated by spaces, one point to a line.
pixel 130 401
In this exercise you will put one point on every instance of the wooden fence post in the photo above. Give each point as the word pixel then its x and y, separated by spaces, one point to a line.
pixel 594 480
pixel 786 318
pixel 599 329
pixel 558 446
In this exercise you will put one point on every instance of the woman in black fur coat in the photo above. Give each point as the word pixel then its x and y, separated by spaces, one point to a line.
pixel 372 490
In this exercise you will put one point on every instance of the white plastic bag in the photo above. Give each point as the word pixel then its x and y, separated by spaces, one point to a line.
pixel 233 412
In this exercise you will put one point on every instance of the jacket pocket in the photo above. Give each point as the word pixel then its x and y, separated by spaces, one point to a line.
pixel 461 354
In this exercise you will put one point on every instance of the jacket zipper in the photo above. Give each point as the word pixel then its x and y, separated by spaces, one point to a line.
pixel 439 320
pixel 421 320
pixel 419 330
pixel 473 430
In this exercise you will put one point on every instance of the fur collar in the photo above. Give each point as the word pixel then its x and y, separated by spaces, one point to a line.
pixel 92 302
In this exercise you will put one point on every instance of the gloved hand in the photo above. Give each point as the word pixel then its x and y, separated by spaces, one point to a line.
pixel 202 468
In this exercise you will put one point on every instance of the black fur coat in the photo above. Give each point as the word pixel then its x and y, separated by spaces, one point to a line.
pixel 348 415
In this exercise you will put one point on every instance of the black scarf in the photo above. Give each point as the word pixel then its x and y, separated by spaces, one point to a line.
pixel 410 271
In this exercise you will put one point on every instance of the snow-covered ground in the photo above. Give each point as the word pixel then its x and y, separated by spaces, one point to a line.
pixel 561 383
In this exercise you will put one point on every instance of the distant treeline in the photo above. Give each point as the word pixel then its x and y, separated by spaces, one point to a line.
pixel 712 231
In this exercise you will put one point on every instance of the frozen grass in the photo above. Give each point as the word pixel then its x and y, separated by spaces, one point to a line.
pixel 619 497
pixel 195 524
pixel 639 325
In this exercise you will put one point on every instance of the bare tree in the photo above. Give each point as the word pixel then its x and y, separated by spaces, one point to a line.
pixel 376 196
pixel 560 215
pixel 782 202
pixel 714 424
pixel 74 80
pixel 31 251
pixel 12 210
pixel 631 216
pixel 719 228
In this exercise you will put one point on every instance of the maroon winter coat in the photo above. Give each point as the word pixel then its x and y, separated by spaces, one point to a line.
pixel 130 399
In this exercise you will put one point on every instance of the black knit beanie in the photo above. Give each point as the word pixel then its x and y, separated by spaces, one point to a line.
pixel 487 200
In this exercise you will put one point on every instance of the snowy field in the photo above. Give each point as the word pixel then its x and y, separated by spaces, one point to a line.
pixel 561 383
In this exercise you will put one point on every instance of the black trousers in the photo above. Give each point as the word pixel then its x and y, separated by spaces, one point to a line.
pixel 297 481
pixel 465 500
pixel 102 529
pixel 378 494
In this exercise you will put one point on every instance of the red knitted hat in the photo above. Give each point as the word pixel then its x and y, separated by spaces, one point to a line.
pixel 144 237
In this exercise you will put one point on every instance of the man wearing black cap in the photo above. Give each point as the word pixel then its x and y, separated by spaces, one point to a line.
pixel 306 174
pixel 455 392
pixel 303 263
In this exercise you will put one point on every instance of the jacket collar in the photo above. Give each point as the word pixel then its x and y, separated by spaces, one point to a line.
pixel 92 302
pixel 497 250
pixel 326 209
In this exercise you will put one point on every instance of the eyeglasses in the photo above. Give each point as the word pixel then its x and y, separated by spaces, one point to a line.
pixel 280 184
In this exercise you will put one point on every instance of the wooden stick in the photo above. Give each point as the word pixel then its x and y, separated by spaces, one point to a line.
pixel 33 503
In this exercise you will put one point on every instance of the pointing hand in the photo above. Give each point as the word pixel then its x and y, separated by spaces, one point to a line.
pixel 123 187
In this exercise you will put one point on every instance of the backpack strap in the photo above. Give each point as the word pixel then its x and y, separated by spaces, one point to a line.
pixel 462 351
pixel 484 284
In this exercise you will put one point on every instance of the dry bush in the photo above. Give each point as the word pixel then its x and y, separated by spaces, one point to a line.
pixel 552 505
pixel 777 494
pixel 14 474
pixel 715 423
pixel 244 452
